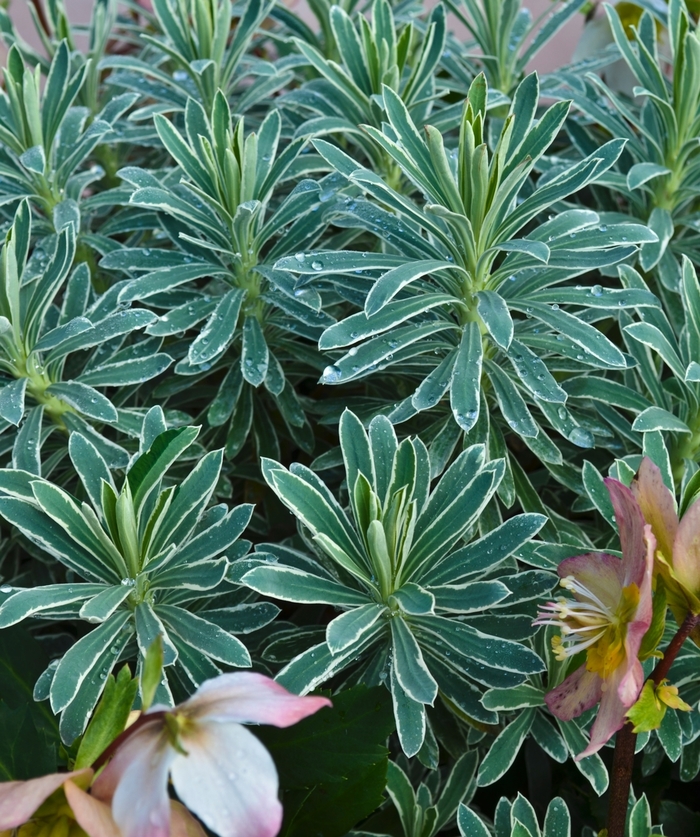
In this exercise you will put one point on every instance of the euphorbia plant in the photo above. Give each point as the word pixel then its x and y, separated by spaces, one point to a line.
pixel 144 550
pixel 222 228
pixel 49 381
pixel 412 599
pixel 468 289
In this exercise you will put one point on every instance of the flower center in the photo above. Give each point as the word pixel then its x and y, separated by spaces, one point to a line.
pixel 587 624
pixel 175 724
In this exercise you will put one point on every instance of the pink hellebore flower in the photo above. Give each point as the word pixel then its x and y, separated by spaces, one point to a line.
pixel 22 800
pixel 219 769
pixel 58 804
pixel 608 617
pixel 677 543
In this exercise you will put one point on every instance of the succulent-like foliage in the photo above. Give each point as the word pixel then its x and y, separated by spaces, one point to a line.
pixel 507 38
pixel 349 94
pixel 412 598
pixel 657 178
pixel 192 51
pixel 42 383
pixel 232 241
pixel 468 293
pixel 230 231
pixel 45 140
pixel 144 551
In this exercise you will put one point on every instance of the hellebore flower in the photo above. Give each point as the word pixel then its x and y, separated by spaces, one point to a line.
pixel 58 804
pixel 607 618
pixel 677 543
pixel 219 769
pixel 43 800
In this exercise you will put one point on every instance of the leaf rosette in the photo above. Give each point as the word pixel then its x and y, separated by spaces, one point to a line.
pixel 147 553
pixel 415 604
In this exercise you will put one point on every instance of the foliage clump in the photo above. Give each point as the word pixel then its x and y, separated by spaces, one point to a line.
pixel 333 351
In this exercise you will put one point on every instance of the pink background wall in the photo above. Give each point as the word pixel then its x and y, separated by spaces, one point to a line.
pixel 555 54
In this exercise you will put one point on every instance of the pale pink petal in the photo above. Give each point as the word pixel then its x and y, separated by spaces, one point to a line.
pixel 686 550
pixel 228 780
pixel 19 800
pixel 630 522
pixel 657 505
pixel 575 695
pixel 611 714
pixel 92 815
pixel 598 572
pixel 631 682
pixel 182 823
pixel 248 697
pixel 136 780
pixel 641 621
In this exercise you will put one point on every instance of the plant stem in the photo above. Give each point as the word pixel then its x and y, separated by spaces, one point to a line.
pixel 660 672
pixel 620 781
pixel 41 16
pixel 623 760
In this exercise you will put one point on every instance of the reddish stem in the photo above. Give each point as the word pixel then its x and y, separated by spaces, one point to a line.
pixel 41 15
pixel 620 780
pixel 661 670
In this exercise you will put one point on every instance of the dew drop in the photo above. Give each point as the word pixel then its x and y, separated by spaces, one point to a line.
pixel 331 375
pixel 597 290
pixel 316 265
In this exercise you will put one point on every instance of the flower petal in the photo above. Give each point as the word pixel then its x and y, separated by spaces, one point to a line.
pixel 19 800
pixel 136 781
pixel 640 622
pixel 612 711
pixel 598 572
pixel 245 696
pixel 228 780
pixel 575 695
pixel 630 522
pixel 630 686
pixel 182 823
pixel 92 815
pixel 657 505
pixel 686 550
